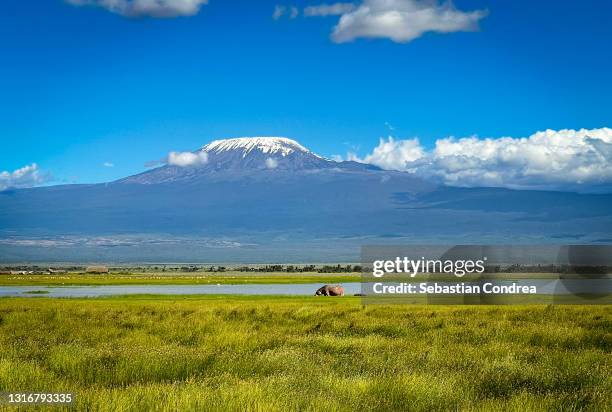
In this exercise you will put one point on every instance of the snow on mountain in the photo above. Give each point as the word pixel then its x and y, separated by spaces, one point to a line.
pixel 267 145
pixel 256 157
pixel 284 203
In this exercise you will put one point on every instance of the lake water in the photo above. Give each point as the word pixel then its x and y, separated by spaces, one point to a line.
pixel 546 287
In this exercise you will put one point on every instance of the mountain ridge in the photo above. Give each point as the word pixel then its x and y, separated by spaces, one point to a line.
pixel 304 208
pixel 254 157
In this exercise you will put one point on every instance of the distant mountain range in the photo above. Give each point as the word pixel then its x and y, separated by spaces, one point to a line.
pixel 271 199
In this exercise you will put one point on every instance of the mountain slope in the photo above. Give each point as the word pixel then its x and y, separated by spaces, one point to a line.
pixel 297 206
pixel 258 157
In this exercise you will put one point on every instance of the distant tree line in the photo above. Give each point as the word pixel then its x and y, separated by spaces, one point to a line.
pixel 339 268
pixel 255 268
pixel 301 268
pixel 273 268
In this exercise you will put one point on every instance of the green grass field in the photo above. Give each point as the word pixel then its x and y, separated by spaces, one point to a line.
pixel 224 278
pixel 202 278
pixel 306 353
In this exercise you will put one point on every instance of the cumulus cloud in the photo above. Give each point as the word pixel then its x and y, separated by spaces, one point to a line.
pixel 146 8
pixel 290 11
pixel 323 10
pixel 547 159
pixel 108 164
pixel 403 20
pixel 278 11
pixel 393 154
pixel 293 12
pixel 187 159
pixel 271 163
pixel 27 176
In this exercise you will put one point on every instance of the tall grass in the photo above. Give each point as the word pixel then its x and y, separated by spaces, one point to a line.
pixel 306 354
pixel 202 278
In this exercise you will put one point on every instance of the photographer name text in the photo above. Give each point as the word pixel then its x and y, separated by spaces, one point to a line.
pixel 452 288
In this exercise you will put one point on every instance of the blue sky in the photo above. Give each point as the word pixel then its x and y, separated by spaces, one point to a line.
pixel 82 86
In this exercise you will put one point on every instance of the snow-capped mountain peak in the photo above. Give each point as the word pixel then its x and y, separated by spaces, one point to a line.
pixel 268 145
pixel 231 159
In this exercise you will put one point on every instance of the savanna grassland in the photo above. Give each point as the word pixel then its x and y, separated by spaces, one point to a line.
pixel 224 278
pixel 306 353
pixel 159 278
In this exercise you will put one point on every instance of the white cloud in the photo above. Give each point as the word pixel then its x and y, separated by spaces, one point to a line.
pixel 146 8
pixel 394 154
pixel 403 20
pixel 279 11
pixel 271 163
pixel 27 176
pixel 108 164
pixel 548 159
pixel 389 126
pixel 293 12
pixel 324 10
pixel 187 159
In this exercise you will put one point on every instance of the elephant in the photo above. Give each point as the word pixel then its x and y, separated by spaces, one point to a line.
pixel 330 290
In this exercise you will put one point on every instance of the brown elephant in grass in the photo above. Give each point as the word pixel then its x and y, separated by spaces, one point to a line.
pixel 330 290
